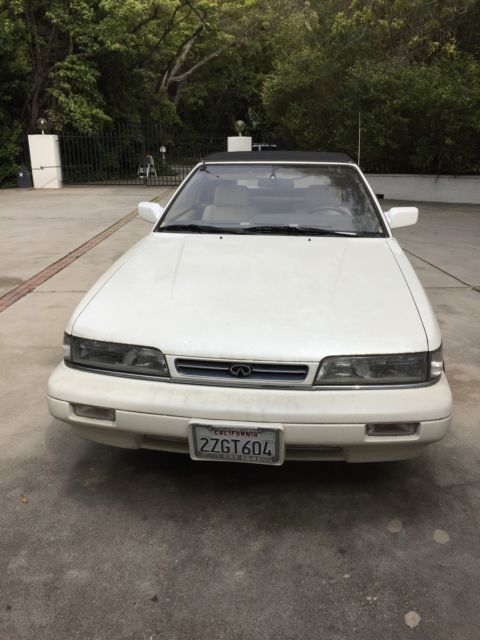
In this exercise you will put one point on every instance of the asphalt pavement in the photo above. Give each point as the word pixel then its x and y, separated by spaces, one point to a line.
pixel 106 544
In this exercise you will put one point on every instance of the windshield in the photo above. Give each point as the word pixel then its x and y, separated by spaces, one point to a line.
pixel 276 199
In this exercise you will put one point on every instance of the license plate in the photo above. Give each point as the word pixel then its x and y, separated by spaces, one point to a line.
pixel 236 443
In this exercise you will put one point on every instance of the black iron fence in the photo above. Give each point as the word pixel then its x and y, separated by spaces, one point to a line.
pixel 144 155
pixel 149 155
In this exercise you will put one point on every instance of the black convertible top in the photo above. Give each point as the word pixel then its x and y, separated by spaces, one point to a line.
pixel 278 156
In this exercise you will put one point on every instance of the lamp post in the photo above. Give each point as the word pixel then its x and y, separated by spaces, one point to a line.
pixel 42 125
pixel 163 151
pixel 239 142
pixel 240 127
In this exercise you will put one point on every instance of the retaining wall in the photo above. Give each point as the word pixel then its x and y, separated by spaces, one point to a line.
pixel 427 188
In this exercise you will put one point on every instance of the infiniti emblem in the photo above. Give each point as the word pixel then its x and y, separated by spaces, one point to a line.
pixel 240 370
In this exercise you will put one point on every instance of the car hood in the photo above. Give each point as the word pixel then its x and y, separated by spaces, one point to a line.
pixel 281 298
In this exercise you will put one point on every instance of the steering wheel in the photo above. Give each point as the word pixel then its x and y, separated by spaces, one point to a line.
pixel 336 210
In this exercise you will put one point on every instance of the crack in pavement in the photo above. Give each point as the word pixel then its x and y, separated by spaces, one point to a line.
pixel 466 284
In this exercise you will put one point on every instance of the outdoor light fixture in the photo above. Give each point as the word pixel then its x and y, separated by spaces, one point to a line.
pixel 42 125
pixel 240 127
pixel 163 151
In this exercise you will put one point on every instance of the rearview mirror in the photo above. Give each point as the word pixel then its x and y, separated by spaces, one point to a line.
pixel 401 216
pixel 150 211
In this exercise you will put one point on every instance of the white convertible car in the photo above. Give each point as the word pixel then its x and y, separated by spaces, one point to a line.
pixel 269 315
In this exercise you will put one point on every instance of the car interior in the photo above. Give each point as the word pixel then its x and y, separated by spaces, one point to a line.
pixel 243 199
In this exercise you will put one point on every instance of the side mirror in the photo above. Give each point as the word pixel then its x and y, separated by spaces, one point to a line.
pixel 401 216
pixel 150 211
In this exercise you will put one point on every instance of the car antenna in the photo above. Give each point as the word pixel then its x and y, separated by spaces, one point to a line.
pixel 204 166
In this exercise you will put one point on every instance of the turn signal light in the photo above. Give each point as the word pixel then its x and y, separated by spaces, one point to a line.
pixel 393 429
pixel 96 413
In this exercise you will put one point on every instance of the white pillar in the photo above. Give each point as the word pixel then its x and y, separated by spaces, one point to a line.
pixel 45 159
pixel 239 143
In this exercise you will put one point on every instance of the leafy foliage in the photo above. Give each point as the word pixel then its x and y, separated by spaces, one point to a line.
pixel 297 70
pixel 76 98
pixel 426 117
pixel 400 64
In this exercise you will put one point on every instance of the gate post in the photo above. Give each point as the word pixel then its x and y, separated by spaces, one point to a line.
pixel 45 159
pixel 239 143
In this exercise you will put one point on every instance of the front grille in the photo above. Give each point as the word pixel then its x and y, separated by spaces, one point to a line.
pixel 241 371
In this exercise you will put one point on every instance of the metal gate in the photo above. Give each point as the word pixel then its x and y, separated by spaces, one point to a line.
pixel 143 155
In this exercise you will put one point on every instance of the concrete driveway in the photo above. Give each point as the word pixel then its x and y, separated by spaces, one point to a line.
pixel 39 227
pixel 98 543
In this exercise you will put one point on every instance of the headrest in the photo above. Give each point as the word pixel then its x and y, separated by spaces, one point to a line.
pixel 231 195
pixel 321 195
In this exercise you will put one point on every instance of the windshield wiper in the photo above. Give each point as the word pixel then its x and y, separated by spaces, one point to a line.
pixel 197 228
pixel 277 229
pixel 297 230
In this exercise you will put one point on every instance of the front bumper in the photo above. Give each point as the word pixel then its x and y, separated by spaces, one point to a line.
pixel 318 424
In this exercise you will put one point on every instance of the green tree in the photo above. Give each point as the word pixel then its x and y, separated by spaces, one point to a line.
pixel 14 68
pixel 300 70
pixel 399 62
pixel 422 117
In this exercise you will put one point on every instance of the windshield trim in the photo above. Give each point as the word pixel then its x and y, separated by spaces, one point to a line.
pixel 284 162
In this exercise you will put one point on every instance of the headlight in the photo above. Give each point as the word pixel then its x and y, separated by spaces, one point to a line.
pixel 403 368
pixel 124 358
